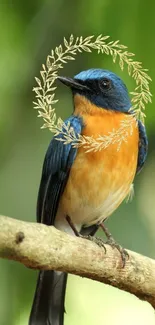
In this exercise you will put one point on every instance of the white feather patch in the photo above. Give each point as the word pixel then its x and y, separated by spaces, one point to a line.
pixel 130 194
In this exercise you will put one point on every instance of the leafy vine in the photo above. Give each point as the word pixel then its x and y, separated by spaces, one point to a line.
pixel 45 90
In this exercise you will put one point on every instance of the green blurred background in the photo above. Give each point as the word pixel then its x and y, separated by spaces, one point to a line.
pixel 28 30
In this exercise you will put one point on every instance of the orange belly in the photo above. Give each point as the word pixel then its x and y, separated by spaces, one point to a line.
pixel 100 181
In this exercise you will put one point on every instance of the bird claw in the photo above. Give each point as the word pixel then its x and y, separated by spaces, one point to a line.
pixel 110 241
pixel 97 241
pixel 124 254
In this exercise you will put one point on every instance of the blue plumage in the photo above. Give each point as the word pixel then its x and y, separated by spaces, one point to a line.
pixel 143 146
pixel 115 96
pixel 51 286
pixel 58 161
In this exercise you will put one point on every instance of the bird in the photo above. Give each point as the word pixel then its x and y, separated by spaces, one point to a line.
pixel 79 190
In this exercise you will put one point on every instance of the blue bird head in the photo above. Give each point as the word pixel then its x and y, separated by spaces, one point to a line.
pixel 103 88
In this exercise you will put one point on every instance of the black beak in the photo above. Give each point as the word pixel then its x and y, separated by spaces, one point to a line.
pixel 73 83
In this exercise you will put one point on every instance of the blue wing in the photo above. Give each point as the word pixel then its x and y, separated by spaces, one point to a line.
pixel 143 146
pixel 57 164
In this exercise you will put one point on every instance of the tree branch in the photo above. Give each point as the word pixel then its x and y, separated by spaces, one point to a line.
pixel 42 247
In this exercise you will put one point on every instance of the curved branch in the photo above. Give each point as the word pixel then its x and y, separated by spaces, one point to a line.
pixel 42 247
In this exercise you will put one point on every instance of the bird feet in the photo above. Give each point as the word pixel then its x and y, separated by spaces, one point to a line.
pixel 110 241
pixel 95 240
pixel 124 254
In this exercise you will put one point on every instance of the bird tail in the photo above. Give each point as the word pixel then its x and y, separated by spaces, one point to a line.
pixel 48 304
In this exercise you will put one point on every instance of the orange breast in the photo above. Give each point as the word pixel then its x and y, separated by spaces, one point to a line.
pixel 99 181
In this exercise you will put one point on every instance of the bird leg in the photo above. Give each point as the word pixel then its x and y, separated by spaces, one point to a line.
pixel 110 241
pixel 76 232
pixel 95 240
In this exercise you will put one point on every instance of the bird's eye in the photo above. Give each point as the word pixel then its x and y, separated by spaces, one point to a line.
pixel 105 83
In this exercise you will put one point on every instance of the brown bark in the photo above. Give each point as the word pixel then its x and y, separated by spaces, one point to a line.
pixel 42 247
